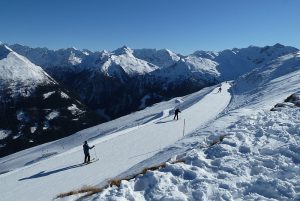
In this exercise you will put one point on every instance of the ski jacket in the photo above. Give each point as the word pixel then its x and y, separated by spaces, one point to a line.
pixel 86 148
pixel 177 111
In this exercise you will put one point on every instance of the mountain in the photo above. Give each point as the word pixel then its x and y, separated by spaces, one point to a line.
pixel 162 58
pixel 34 107
pixel 51 58
pixel 233 63
pixel 121 81
pixel 121 63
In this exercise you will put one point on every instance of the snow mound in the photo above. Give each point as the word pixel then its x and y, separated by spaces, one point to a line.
pixel 258 160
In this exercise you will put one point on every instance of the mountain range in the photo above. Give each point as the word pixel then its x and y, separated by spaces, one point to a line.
pixel 48 94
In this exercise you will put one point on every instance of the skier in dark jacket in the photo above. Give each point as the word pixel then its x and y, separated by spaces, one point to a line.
pixel 176 113
pixel 220 90
pixel 86 149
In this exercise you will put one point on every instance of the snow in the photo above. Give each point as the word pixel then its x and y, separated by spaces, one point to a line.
pixel 74 110
pixel 162 58
pixel 47 95
pixel 51 58
pixel 228 145
pixel 73 59
pixel 18 74
pixel 52 115
pixel 46 125
pixel 257 160
pixel 86 53
pixel 64 95
pixel 4 133
pixel 122 60
pixel 33 129
pixel 187 68
pixel 264 147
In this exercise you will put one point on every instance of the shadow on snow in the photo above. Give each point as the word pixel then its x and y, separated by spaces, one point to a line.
pixel 44 174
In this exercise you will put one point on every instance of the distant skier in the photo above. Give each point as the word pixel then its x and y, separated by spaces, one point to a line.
pixel 220 90
pixel 176 113
pixel 86 149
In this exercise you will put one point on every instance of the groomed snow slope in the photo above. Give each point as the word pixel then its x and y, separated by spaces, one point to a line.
pixel 117 152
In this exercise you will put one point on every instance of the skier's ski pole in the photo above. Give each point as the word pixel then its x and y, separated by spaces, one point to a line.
pixel 95 153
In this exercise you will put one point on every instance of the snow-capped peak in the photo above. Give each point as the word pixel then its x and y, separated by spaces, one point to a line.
pixel 73 59
pixel 18 74
pixel 74 48
pixel 123 50
pixel 162 58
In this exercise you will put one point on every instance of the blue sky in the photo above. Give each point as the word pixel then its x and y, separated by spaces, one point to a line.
pixel 180 25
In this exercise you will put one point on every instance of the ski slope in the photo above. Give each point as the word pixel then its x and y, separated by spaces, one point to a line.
pixel 258 159
pixel 117 152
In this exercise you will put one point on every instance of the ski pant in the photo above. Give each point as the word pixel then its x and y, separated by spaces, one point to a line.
pixel 87 158
pixel 176 116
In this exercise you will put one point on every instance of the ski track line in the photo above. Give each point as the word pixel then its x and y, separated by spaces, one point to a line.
pixel 109 137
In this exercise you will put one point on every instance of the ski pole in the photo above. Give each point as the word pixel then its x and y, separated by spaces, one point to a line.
pixel 95 153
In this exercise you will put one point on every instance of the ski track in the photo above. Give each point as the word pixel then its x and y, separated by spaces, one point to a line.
pixel 117 153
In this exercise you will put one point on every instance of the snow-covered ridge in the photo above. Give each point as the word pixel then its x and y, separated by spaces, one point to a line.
pixel 233 63
pixel 123 59
pixel 162 58
pixel 226 64
pixel 17 73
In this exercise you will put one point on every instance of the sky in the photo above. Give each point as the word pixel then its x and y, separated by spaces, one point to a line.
pixel 183 26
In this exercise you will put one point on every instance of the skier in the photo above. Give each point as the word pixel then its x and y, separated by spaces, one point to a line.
pixel 219 90
pixel 176 113
pixel 86 149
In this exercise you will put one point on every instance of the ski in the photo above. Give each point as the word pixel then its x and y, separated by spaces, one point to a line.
pixel 91 161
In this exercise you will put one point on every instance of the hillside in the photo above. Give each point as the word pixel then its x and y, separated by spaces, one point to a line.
pixel 34 108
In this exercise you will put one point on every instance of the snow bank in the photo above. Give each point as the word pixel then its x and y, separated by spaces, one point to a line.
pixel 258 160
